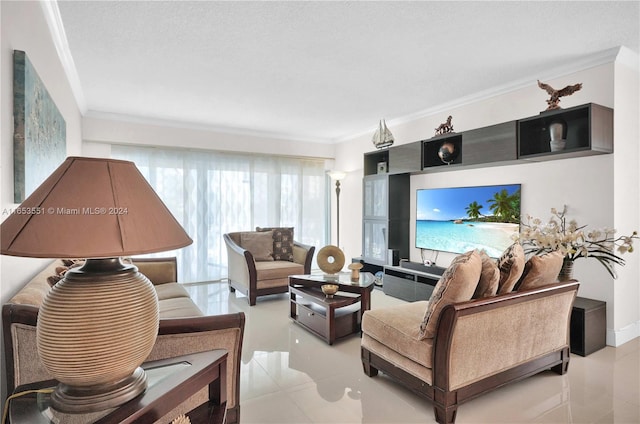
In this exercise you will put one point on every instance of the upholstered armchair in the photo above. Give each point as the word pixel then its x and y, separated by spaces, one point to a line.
pixel 260 262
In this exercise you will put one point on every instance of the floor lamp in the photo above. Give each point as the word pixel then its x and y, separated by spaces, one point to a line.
pixel 337 176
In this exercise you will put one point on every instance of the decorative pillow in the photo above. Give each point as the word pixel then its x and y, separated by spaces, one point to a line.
pixel 62 270
pixel 282 242
pixel 511 265
pixel 541 270
pixel 260 244
pixel 457 284
pixel 489 277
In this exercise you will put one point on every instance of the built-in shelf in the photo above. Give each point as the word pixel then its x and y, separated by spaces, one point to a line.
pixel 588 131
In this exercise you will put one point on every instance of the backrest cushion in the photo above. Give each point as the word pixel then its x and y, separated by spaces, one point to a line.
pixel 457 284
pixel 489 277
pixel 541 270
pixel 511 265
pixel 282 242
pixel 260 244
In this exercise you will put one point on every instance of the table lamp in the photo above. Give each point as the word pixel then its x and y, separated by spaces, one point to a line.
pixel 99 323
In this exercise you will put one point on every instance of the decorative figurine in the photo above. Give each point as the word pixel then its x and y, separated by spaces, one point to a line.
pixel 382 137
pixel 445 127
pixel 556 94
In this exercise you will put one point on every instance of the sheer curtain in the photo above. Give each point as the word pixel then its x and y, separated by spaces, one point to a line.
pixel 212 193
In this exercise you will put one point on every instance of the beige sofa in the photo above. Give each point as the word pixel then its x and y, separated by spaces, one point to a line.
pixel 476 345
pixel 254 272
pixel 183 329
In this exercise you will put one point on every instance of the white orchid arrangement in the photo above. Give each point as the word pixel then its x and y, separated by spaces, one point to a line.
pixel 574 241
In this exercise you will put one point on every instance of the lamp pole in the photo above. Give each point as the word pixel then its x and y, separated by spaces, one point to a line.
pixel 337 176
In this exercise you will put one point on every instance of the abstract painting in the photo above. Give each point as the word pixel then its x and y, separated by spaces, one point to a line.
pixel 39 130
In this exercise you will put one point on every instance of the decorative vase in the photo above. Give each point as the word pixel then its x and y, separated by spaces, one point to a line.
pixel 558 134
pixel 566 272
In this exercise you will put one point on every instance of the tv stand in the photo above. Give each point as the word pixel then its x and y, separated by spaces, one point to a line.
pixel 410 284
pixel 417 266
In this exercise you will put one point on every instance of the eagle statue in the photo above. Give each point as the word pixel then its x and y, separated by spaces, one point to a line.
pixel 556 94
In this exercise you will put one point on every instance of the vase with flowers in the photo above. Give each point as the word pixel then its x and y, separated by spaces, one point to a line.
pixel 574 241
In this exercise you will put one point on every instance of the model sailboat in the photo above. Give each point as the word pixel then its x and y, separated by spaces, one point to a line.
pixel 382 137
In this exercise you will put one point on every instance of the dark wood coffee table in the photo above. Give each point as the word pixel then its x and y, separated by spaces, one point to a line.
pixel 330 317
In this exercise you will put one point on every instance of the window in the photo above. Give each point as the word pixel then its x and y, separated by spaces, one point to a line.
pixel 212 193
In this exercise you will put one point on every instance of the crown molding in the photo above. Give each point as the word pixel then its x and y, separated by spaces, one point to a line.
pixel 580 64
pixel 56 28
pixel 140 120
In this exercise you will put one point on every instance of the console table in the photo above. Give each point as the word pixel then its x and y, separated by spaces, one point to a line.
pixel 170 382
pixel 334 317
pixel 588 326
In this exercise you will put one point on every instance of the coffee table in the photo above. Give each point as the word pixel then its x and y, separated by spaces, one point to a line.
pixel 330 317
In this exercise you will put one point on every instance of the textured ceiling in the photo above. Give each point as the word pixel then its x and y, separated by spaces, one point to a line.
pixel 322 70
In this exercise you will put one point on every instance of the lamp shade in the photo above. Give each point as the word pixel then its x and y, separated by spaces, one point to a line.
pixel 92 208
pixel 337 175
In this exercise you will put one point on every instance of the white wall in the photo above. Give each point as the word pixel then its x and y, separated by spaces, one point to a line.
pixel 24 28
pixel 586 185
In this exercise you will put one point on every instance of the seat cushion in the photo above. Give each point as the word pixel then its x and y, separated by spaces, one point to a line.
pixel 277 269
pixel 179 307
pixel 398 327
pixel 170 291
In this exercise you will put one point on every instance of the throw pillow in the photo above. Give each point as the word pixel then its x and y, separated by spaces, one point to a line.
pixel 541 270
pixel 457 284
pixel 489 277
pixel 260 244
pixel 282 242
pixel 62 270
pixel 511 265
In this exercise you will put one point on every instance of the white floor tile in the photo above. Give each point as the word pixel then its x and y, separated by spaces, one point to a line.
pixel 288 375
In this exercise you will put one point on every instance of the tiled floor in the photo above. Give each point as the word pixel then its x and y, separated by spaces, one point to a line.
pixel 291 376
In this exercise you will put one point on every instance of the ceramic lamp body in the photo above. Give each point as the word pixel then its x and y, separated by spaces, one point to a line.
pixel 95 328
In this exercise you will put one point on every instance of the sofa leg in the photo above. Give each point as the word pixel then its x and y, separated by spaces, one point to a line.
pixel 562 367
pixel 369 369
pixel 252 300
pixel 233 415
pixel 445 415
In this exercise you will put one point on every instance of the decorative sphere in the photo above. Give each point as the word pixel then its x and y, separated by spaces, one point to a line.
pixel 447 152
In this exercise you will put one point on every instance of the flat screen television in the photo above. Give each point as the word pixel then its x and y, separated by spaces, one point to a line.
pixel 465 218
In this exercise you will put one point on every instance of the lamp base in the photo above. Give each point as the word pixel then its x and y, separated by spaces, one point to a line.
pixel 66 398
pixel 95 328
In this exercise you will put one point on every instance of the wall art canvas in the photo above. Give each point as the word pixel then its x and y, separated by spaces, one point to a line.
pixel 40 135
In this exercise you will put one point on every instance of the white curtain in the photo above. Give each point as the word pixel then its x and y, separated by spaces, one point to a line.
pixel 212 193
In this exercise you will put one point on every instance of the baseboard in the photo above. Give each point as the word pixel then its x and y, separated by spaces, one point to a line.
pixel 619 337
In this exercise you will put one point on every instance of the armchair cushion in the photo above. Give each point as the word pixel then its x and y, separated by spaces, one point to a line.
pixel 511 265
pixel 457 284
pixel 260 244
pixel 540 270
pixel 397 327
pixel 282 242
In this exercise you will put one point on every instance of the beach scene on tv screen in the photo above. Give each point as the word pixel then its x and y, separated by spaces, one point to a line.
pixel 465 218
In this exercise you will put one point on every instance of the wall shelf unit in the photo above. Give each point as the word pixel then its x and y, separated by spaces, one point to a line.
pixel 589 131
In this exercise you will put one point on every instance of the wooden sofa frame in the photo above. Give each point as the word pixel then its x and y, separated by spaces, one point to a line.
pixel 446 400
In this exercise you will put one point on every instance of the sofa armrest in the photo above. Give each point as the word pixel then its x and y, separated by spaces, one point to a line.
pixel 484 337
pixel 22 362
pixel 158 270
pixel 241 265
pixel 182 336
pixel 303 254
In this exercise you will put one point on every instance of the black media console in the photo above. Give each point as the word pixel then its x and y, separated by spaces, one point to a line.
pixel 411 281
